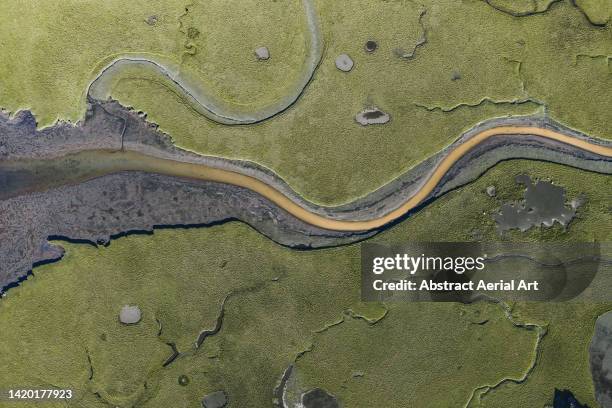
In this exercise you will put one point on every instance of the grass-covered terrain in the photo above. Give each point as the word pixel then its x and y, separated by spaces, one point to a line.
pixel 477 63
pixel 441 67
pixel 60 327
pixel 598 12
pixel 50 49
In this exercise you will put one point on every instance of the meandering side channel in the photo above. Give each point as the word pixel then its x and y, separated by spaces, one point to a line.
pixel 200 98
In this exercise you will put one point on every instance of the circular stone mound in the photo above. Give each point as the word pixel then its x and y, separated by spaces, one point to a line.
pixel 344 63
pixel 151 20
pixel 217 399
pixel 372 116
pixel 371 46
pixel 130 314
pixel 262 53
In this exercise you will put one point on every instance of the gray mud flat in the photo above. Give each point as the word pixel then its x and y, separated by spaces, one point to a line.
pixel 62 182
pixel 601 359
pixel 319 398
pixel 544 204
pixel 105 207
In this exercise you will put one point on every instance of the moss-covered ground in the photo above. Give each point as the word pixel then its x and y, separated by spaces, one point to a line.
pixel 60 327
pixel 478 61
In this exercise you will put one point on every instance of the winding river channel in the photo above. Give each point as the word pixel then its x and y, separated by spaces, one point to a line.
pixel 86 165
